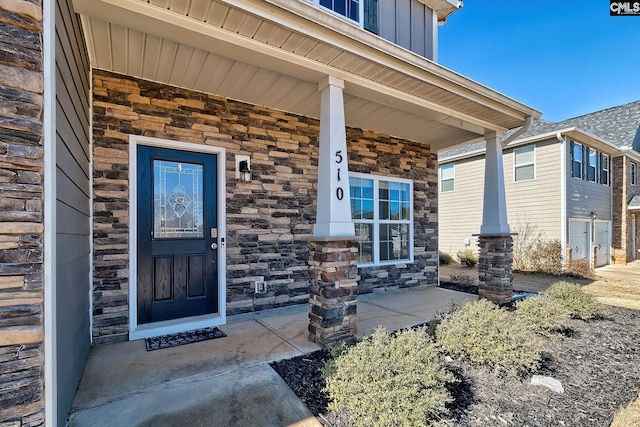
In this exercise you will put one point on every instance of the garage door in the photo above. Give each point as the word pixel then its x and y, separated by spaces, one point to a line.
pixel 579 239
pixel 601 242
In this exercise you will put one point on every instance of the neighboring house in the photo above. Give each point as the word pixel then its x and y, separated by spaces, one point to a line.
pixel 158 158
pixel 575 181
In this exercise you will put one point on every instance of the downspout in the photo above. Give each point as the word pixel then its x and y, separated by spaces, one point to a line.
pixel 563 194
pixel 527 125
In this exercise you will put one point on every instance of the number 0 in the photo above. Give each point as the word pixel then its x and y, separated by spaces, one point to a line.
pixel 339 193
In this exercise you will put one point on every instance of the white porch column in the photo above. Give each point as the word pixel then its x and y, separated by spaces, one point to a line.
pixel 494 210
pixel 333 214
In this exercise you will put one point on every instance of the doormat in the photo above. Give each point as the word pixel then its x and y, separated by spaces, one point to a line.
pixel 174 340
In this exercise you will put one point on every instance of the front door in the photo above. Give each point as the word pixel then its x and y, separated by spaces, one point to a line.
pixel 177 234
pixel 579 239
pixel 601 241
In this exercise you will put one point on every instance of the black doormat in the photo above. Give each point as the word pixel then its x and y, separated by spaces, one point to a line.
pixel 174 340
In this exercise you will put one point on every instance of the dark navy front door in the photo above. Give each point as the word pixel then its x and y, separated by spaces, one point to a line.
pixel 177 234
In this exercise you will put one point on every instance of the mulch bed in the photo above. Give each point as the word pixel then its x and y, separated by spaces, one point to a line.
pixel 597 362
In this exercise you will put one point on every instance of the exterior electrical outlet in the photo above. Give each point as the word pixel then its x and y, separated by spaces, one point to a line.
pixel 261 287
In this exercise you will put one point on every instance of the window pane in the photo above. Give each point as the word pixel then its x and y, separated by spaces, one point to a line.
pixel 405 193
pixel 446 172
pixel 367 189
pixel 383 190
pixel 177 200
pixel 406 211
pixel 394 208
pixel 524 173
pixel 365 232
pixel 577 161
pixel 524 155
pixel 447 185
pixel 395 245
pixel 367 209
pixel 384 210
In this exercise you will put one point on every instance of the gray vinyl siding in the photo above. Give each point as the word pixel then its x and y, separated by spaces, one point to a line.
pixel 410 24
pixel 584 196
pixel 73 194
pixel 536 202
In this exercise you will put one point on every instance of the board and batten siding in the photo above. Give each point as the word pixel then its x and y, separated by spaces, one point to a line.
pixel 584 197
pixel 73 206
pixel 410 24
pixel 536 202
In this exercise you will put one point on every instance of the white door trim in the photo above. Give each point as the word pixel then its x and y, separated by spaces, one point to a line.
pixel 189 323
pixel 634 241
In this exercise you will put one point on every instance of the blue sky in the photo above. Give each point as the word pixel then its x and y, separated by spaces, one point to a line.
pixel 564 58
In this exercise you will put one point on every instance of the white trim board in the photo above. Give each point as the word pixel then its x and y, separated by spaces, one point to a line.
pixel 188 323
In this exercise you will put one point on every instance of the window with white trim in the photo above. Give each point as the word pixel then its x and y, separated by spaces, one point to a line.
pixel 604 169
pixel 634 174
pixel 576 160
pixel 447 178
pixel 347 8
pixel 592 165
pixel 524 163
pixel 382 212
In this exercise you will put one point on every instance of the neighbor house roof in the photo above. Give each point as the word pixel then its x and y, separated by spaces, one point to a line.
pixel 616 126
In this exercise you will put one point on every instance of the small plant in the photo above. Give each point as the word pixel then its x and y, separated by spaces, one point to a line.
pixel 389 380
pixel 575 300
pixel 467 257
pixel 546 257
pixel 543 316
pixel 445 258
pixel 486 334
pixel 580 268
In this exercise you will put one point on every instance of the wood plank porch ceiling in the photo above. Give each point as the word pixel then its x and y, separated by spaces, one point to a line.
pixel 274 52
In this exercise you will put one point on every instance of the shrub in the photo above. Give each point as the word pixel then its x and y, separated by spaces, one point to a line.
pixel 526 237
pixel 463 279
pixel 572 297
pixel 467 257
pixel 389 380
pixel 544 316
pixel 445 258
pixel 486 334
pixel 546 257
pixel 580 268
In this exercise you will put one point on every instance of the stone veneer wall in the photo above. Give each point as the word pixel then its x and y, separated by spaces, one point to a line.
pixel 268 219
pixel 21 221
pixel 623 191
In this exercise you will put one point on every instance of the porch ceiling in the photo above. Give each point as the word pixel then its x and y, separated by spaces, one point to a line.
pixel 274 53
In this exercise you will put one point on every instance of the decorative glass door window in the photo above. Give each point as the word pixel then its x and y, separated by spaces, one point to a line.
pixel 381 209
pixel 177 200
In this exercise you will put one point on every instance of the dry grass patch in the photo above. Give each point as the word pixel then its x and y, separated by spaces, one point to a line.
pixel 628 416
pixel 616 293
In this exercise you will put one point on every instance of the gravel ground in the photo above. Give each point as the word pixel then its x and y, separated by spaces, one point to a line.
pixel 597 362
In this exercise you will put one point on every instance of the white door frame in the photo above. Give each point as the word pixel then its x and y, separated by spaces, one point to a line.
pixel 188 323
pixel 634 242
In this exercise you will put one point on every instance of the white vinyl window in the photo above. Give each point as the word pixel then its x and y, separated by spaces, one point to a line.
pixel 351 9
pixel 634 174
pixel 592 166
pixel 382 212
pixel 576 160
pixel 604 169
pixel 524 163
pixel 447 178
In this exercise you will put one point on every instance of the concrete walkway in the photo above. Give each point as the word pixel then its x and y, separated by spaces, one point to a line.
pixel 227 381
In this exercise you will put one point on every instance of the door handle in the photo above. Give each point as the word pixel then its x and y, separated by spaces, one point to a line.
pixel 214 245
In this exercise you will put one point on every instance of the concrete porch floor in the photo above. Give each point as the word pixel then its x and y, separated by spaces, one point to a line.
pixel 227 381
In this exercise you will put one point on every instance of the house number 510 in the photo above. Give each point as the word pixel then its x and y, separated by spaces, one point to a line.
pixel 339 190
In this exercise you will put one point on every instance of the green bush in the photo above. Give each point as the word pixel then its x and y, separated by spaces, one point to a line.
pixel 544 316
pixel 389 380
pixel 445 258
pixel 467 257
pixel 484 333
pixel 571 296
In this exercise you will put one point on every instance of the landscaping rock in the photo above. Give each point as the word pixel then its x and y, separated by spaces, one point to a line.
pixel 548 382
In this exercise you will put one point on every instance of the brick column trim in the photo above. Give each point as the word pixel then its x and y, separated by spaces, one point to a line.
pixel 333 288
pixel 496 268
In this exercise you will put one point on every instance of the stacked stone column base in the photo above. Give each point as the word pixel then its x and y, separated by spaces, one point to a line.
pixel 496 268
pixel 333 288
